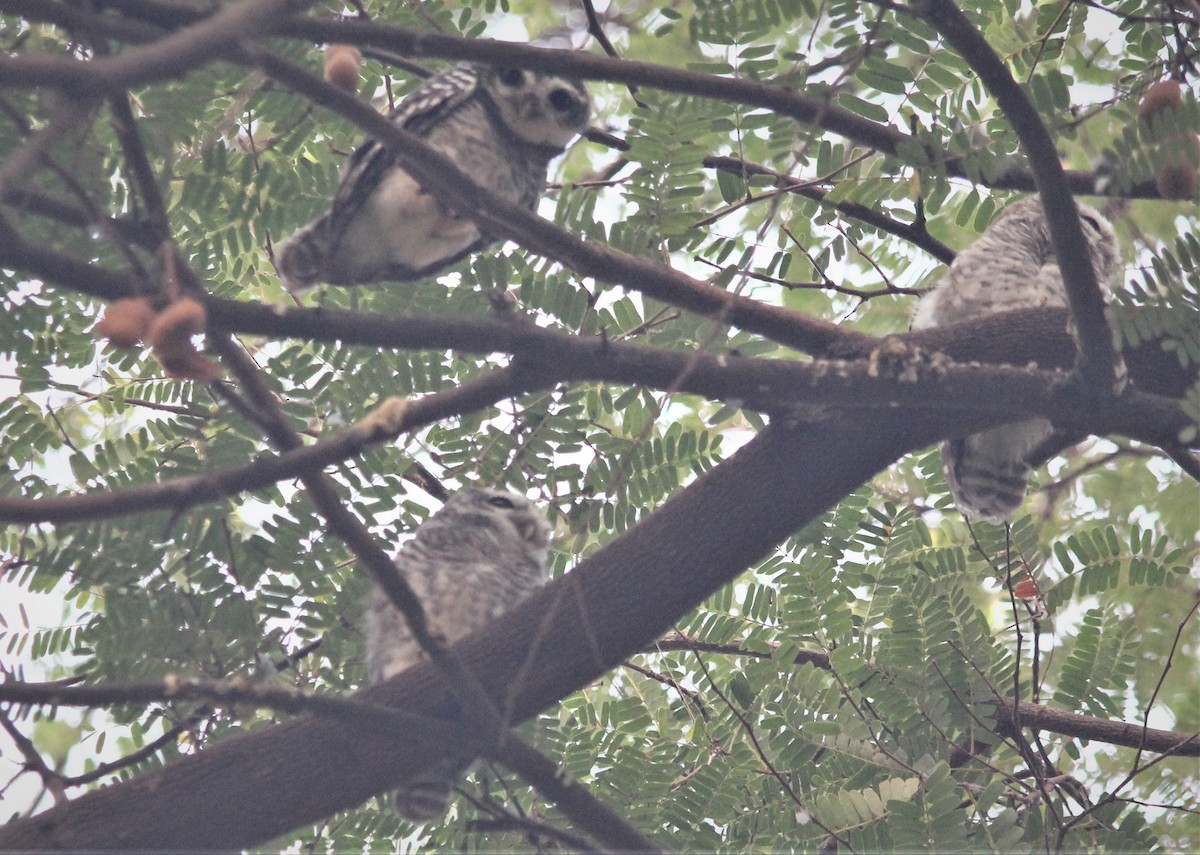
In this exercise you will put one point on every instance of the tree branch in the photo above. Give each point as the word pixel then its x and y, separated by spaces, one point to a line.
pixel 1030 715
pixel 782 100
pixel 948 399
pixel 228 693
pixel 169 57
pixel 440 176
pixel 180 493
pixel 911 232
pixel 572 798
pixel 259 785
pixel 1100 364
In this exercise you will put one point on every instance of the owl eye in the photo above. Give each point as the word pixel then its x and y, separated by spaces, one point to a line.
pixel 1093 222
pixel 501 502
pixel 512 77
pixel 562 100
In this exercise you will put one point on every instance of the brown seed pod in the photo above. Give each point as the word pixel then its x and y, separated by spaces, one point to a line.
pixel 1176 181
pixel 1163 95
pixel 181 320
pixel 126 321
pixel 171 341
pixel 343 65
pixel 189 364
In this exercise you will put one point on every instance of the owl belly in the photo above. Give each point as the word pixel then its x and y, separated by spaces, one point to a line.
pixel 401 232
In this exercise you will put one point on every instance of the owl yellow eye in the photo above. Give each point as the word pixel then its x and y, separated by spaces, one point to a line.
pixel 501 502
pixel 513 77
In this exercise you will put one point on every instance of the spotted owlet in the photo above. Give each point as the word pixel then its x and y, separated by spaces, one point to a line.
pixel 477 557
pixel 1011 266
pixel 500 126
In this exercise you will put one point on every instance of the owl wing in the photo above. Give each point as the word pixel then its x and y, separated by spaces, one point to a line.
pixel 317 252
pixel 425 106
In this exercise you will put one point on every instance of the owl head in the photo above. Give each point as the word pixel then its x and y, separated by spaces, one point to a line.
pixel 545 110
pixel 1102 243
pixel 513 516
pixel 1102 240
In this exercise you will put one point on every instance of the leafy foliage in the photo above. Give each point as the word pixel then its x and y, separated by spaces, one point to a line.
pixel 850 685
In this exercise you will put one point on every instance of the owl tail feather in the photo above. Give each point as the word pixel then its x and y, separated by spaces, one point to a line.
pixel 428 798
pixel 984 486
pixel 424 800
pixel 301 259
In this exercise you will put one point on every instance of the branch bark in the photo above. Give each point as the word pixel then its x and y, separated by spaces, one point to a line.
pixel 949 399
pixel 1099 363
pixel 249 789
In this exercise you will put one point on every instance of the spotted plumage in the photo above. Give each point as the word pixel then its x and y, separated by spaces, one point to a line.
pixel 1012 266
pixel 500 126
pixel 476 558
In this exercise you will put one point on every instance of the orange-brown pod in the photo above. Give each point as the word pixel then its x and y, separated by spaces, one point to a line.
pixel 126 321
pixel 343 64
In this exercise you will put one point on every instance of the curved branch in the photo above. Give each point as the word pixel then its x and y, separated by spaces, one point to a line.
pixel 168 57
pixel 1099 363
pixel 779 99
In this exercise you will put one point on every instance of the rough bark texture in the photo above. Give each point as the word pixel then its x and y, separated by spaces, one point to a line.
pixel 249 789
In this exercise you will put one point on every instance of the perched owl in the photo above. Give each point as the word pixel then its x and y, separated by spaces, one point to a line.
pixel 501 126
pixel 477 557
pixel 1011 266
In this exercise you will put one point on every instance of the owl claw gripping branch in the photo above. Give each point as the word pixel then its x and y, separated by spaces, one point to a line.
pixel 500 126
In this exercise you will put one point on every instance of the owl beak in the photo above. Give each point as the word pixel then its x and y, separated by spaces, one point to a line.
pixel 529 109
pixel 533 533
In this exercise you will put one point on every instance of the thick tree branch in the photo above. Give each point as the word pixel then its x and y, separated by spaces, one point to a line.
pixel 587 812
pixel 1099 363
pixel 169 57
pixel 950 399
pixel 249 789
pixel 259 785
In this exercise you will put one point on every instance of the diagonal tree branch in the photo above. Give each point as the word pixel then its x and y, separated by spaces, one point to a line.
pixel 1100 365
pixel 483 718
pixel 641 583
pixel 439 175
